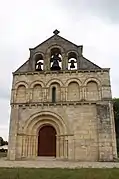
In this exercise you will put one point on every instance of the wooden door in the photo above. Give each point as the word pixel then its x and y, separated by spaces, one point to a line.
pixel 47 141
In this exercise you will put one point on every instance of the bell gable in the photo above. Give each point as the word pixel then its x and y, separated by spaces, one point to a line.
pixel 59 52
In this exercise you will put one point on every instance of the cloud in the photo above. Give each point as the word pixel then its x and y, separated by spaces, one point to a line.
pixel 107 10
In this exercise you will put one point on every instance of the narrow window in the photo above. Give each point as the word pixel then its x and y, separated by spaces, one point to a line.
pixel 53 94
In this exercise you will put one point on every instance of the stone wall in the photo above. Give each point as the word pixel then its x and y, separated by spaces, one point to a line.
pixel 82 114
pixel 71 86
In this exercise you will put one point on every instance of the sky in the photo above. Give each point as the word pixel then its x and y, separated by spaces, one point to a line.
pixel 26 23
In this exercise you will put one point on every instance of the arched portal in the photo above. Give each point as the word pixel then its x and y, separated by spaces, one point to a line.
pixel 47 141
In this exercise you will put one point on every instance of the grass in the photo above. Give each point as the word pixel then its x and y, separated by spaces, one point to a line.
pixel 90 173
pixel 3 154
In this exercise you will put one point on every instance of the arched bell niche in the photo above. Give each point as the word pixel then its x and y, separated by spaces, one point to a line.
pixel 72 61
pixel 55 59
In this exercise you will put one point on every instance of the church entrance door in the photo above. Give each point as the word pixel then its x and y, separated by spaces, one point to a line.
pixel 47 141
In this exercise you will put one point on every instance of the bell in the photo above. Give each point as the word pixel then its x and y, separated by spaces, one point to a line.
pixel 72 64
pixel 39 66
pixel 55 60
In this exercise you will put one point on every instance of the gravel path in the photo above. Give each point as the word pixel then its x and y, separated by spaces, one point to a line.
pixel 56 164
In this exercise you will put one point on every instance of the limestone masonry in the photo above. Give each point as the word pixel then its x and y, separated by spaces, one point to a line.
pixel 61 106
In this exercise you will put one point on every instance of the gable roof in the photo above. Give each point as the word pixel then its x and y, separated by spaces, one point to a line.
pixel 60 37
pixel 85 64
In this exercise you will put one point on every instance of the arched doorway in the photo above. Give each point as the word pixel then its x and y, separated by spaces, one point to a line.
pixel 47 141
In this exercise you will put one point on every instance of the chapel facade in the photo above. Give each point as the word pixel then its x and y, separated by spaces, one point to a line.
pixel 61 106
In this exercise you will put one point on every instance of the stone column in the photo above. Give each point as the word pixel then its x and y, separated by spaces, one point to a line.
pixel 61 149
pixel 47 62
pixel 81 93
pixel 62 94
pixel 57 146
pixel 25 146
pixel 13 133
pixel 45 94
pixel 28 147
pixel 34 146
pixel 64 62
pixel 30 94
pixel 65 147
pixel 66 93
pixel 27 95
pixel 84 93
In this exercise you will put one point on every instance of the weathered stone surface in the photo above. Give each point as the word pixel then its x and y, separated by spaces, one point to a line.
pixel 82 114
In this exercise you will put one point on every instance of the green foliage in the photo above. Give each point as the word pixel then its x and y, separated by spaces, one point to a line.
pixel 90 173
pixel 116 108
pixel 3 154
pixel 116 117
pixel 2 142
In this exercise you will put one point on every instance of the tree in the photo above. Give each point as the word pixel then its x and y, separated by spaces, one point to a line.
pixel 116 117
pixel 2 142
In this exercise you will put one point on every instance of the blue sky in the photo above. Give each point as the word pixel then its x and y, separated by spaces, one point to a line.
pixel 25 24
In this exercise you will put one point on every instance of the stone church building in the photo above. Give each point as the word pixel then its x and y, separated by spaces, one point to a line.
pixel 61 106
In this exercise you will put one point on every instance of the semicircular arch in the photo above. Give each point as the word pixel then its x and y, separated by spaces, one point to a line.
pixel 55 46
pixel 92 79
pixel 38 53
pixel 73 80
pixel 72 51
pixel 35 121
pixel 37 82
pixel 21 83
pixel 54 81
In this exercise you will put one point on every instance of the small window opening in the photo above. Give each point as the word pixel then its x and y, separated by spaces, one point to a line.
pixel 39 62
pixel 53 94
pixel 72 61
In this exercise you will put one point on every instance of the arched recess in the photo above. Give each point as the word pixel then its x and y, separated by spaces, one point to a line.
pixel 92 79
pixel 55 80
pixel 72 60
pixel 50 51
pixel 73 92
pixel 39 61
pixel 21 83
pixel 21 94
pixel 32 126
pixel 92 90
pixel 37 93
pixel 54 92
pixel 55 59
pixel 73 80
pixel 41 83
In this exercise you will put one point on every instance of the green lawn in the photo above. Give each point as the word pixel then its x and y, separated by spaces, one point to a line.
pixel 23 173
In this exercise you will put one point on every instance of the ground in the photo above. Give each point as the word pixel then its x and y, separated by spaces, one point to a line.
pixel 23 173
pixel 49 168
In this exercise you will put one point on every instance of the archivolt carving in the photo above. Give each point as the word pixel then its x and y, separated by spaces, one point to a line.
pixel 71 80
pixel 55 46
pixel 21 83
pixel 55 81
pixel 73 52
pixel 37 120
pixel 37 83
pixel 37 53
pixel 92 79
